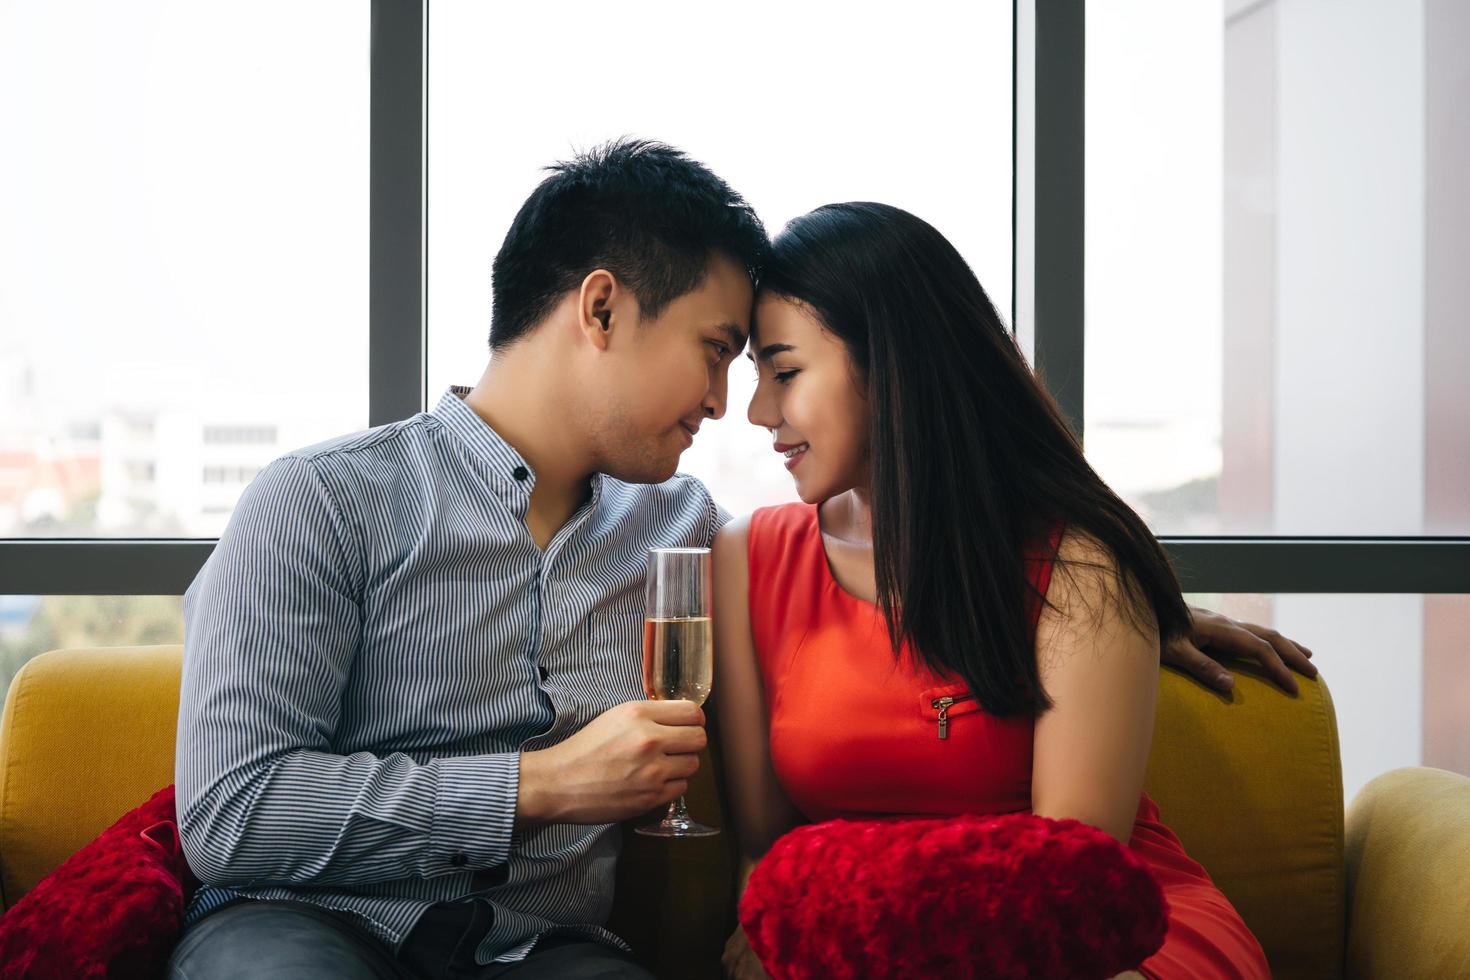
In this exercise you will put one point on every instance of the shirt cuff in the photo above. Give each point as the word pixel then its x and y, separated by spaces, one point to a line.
pixel 474 811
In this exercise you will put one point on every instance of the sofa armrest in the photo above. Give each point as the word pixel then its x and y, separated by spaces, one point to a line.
pixel 86 735
pixel 1408 876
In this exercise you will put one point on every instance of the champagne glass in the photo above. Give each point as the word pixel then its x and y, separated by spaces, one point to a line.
pixel 678 651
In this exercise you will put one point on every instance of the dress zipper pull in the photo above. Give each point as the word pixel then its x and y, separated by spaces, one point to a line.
pixel 943 705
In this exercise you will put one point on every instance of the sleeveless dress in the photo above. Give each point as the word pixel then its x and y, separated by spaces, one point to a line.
pixel 857 732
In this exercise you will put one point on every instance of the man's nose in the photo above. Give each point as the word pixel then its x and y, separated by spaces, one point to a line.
pixel 714 402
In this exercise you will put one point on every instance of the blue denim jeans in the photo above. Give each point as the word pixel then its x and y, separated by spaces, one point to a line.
pixel 286 940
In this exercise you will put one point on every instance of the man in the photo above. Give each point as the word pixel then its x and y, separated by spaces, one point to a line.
pixel 412 710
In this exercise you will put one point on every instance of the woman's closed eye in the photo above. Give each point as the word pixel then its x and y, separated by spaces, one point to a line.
pixel 781 377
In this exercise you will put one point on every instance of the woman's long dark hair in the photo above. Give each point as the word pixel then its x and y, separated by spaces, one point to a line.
pixel 971 461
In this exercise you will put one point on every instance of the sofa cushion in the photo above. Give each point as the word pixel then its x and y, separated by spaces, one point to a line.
pixel 113 909
pixel 1000 896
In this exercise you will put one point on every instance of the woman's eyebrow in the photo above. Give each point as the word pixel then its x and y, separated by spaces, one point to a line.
pixel 771 350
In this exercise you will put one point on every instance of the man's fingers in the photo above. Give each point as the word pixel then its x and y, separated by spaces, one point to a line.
pixel 683 766
pixel 1244 643
pixel 681 739
pixel 1232 639
pixel 1296 656
pixel 1187 657
pixel 1293 654
pixel 673 712
pixel 1278 655
pixel 1205 624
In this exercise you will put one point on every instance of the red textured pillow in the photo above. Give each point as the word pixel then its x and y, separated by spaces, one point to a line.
pixel 1011 896
pixel 113 909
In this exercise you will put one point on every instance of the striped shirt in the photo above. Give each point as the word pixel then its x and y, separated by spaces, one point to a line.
pixel 369 649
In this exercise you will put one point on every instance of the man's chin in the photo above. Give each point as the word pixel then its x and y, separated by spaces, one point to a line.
pixel 650 471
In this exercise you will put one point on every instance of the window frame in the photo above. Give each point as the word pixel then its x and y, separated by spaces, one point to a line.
pixel 1049 75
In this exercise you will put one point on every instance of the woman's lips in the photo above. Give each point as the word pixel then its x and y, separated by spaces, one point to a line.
pixel 793 458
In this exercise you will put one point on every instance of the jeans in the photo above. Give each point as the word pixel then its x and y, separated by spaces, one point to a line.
pixel 287 940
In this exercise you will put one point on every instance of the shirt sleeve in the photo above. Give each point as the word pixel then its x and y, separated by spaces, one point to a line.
pixel 271 626
pixel 718 517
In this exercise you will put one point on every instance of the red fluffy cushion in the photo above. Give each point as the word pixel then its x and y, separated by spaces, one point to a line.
pixel 114 909
pixel 1011 896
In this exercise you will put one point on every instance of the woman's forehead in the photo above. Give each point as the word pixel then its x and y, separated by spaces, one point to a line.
pixel 777 316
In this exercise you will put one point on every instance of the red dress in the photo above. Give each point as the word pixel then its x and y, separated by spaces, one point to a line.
pixel 855 733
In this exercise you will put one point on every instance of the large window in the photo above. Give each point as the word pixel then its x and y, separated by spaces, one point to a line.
pixel 793 105
pixel 1276 241
pixel 1239 235
pixel 183 255
pixel 1275 237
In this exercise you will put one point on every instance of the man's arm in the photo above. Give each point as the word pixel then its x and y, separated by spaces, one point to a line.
pixel 272 624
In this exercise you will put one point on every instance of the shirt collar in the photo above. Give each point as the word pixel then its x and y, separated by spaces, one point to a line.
pixel 510 468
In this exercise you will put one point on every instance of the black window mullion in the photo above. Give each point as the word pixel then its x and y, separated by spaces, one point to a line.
pixel 129 566
pixel 396 263
pixel 1059 129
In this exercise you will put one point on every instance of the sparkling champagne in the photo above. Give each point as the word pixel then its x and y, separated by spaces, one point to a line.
pixel 678 658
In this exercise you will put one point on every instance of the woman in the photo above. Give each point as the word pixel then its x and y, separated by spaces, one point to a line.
pixel 960 616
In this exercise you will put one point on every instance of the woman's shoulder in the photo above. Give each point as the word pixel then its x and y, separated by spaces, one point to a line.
pixel 778 524
pixel 764 527
pixel 1082 552
pixel 1091 588
pixel 794 514
pixel 780 549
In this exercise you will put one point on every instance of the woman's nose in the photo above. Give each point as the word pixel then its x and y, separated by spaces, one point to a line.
pixel 762 411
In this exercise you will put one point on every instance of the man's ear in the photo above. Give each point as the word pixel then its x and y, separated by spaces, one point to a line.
pixel 597 317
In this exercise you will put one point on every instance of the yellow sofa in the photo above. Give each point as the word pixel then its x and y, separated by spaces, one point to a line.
pixel 1252 785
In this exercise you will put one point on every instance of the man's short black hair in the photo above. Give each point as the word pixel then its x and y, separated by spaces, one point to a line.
pixel 641 210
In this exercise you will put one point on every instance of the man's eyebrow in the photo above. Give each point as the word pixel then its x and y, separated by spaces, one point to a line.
pixel 735 335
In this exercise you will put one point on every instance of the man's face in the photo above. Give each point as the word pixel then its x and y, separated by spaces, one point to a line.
pixel 667 375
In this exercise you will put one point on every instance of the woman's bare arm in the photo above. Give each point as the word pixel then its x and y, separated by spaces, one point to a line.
pixel 761 810
pixel 1099 662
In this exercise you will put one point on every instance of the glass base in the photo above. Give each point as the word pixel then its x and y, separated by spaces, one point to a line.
pixel 677 827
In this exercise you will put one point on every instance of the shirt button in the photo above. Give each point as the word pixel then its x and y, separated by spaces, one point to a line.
pixel 459 859
pixel 520 473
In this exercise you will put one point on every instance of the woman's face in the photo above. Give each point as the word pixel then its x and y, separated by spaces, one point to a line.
pixel 808 396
